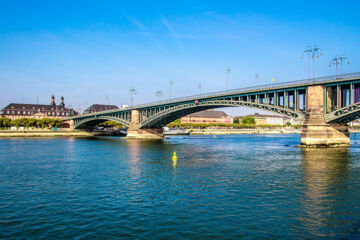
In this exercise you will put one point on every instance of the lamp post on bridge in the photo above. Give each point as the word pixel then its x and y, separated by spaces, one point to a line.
pixel 159 94
pixel 257 78
pixel 336 61
pixel 132 92
pixel 314 53
pixel 170 88
pixel 199 87
pixel 228 72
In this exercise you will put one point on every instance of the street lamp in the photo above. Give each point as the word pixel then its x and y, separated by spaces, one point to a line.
pixel 199 87
pixel 159 94
pixel 228 71
pixel 336 61
pixel 132 92
pixel 171 84
pixel 314 53
pixel 257 78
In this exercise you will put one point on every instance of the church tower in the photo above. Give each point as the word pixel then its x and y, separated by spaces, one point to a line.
pixel 62 104
pixel 52 100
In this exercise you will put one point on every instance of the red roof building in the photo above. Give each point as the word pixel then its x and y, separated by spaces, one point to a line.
pixel 208 116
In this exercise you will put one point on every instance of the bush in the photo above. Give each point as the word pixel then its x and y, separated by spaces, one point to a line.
pixel 248 120
pixel 209 125
pixel 111 124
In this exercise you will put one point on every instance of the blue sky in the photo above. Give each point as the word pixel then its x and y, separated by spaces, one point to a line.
pixel 94 51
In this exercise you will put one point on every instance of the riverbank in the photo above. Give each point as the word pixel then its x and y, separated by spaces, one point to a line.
pixel 9 134
pixel 243 131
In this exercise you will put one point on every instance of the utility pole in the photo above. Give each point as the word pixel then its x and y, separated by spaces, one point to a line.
pixel 159 94
pixel 171 84
pixel 199 87
pixel 132 92
pixel 228 71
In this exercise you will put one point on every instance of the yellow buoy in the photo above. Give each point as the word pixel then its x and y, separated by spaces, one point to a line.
pixel 174 158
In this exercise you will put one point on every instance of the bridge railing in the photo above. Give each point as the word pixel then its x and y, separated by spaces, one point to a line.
pixel 252 89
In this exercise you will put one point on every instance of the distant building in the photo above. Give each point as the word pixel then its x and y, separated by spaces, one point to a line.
pixel 208 116
pixel 355 123
pixel 99 108
pixel 38 111
pixel 263 119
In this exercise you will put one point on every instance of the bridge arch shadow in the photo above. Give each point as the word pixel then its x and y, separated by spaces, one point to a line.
pixel 168 115
pixel 93 121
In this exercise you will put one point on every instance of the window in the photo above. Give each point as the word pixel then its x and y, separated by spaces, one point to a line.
pixel 18 112
pixel 8 112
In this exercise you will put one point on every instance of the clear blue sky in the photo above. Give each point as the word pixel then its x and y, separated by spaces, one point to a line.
pixel 94 51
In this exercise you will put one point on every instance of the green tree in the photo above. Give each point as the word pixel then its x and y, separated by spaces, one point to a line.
pixel 5 122
pixel 236 120
pixel 111 124
pixel 288 124
pixel 248 120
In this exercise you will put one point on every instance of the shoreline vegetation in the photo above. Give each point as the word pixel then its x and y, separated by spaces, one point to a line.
pixel 48 127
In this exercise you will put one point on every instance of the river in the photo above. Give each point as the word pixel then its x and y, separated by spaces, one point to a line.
pixel 223 187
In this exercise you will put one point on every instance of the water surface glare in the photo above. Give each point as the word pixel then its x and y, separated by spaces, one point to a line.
pixel 228 187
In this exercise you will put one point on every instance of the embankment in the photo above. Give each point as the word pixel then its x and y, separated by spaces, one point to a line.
pixel 243 131
pixel 9 134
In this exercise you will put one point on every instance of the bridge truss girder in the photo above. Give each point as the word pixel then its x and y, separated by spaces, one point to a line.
pixel 344 115
pixel 168 115
pixel 95 120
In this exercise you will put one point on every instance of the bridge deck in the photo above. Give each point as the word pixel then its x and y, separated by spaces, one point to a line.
pixel 247 90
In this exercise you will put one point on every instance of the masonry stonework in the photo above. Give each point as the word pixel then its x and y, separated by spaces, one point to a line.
pixel 316 132
pixel 134 132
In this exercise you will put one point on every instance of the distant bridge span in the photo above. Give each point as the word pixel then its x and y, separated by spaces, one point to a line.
pixel 336 99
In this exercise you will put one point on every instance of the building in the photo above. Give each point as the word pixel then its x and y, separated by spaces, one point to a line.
pixel 264 119
pixel 38 111
pixel 208 116
pixel 99 108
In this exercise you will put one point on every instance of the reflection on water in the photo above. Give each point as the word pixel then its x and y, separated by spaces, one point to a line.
pixel 228 187
pixel 325 177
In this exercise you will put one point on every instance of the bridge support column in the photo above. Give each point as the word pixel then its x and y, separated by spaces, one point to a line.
pixel 316 132
pixel 134 132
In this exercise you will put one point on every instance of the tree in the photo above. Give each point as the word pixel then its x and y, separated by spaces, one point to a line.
pixel 111 124
pixel 288 124
pixel 248 120
pixel 236 120
pixel 5 122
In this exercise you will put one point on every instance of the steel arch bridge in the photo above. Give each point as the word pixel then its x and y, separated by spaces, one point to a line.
pixel 341 103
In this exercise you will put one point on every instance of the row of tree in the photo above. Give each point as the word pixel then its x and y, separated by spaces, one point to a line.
pixel 30 122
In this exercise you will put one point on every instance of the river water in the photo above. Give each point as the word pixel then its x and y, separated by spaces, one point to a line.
pixel 223 187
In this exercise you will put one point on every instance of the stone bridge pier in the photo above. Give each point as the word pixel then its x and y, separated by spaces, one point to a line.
pixel 316 132
pixel 134 132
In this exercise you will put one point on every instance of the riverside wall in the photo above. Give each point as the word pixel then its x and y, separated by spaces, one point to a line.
pixel 9 134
